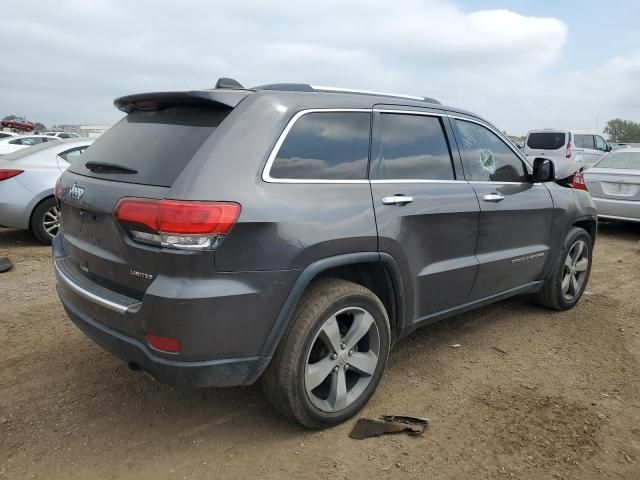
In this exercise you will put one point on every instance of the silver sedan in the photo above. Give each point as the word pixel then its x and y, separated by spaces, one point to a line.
pixel 614 184
pixel 27 180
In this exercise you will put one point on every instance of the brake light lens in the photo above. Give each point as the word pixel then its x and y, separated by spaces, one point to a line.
pixel 56 189
pixel 578 182
pixel 569 150
pixel 7 173
pixel 178 223
pixel 164 344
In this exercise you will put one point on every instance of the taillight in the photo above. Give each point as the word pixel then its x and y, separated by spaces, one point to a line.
pixel 180 224
pixel 6 174
pixel 578 181
pixel 56 189
pixel 569 150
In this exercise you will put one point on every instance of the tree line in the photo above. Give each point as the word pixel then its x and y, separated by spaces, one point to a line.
pixel 622 131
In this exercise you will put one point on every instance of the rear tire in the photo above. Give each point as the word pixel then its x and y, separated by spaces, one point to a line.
pixel 331 359
pixel 45 220
pixel 569 277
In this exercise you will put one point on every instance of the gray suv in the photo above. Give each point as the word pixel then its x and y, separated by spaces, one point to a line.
pixel 293 233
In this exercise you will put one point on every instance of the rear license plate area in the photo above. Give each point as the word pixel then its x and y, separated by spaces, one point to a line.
pixel 619 189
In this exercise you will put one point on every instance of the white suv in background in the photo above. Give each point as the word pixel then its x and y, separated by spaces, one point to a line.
pixel 565 146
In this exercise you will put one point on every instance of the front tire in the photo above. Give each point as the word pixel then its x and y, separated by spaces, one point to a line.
pixel 568 279
pixel 45 220
pixel 331 359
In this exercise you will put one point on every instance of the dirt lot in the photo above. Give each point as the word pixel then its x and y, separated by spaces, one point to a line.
pixel 562 402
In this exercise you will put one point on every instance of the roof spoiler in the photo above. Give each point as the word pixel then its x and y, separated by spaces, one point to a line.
pixel 223 98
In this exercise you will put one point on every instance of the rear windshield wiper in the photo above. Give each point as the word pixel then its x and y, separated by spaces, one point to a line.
pixel 105 167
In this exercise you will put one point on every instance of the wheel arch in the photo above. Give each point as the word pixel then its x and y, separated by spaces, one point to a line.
pixel 35 203
pixel 590 224
pixel 373 270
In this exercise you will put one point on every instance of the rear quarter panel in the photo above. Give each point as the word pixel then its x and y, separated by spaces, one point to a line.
pixel 569 206
pixel 282 226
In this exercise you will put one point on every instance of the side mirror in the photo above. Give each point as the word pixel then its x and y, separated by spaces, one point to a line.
pixel 543 170
pixel 609 148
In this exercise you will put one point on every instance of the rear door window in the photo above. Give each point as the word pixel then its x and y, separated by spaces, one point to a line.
pixel 412 147
pixel 587 142
pixel 546 140
pixel 153 146
pixel 325 146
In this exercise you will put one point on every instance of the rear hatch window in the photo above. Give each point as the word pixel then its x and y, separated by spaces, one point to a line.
pixel 546 140
pixel 150 147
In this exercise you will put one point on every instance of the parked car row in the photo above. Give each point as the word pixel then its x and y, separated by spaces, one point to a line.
pixel 27 179
pixel 18 142
pixel 566 146
pixel 614 184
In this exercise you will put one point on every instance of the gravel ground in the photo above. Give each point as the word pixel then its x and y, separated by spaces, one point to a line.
pixel 530 394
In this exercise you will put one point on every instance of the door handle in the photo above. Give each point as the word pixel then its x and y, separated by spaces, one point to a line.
pixel 397 200
pixel 493 197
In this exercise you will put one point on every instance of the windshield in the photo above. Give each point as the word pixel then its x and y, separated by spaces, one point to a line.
pixel 621 160
pixel 546 140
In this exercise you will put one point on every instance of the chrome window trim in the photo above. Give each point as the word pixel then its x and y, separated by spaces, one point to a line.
pixel 484 182
pixel 404 180
pixel 266 175
pixel 266 172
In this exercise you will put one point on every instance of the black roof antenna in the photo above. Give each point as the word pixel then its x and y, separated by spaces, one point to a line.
pixel 228 83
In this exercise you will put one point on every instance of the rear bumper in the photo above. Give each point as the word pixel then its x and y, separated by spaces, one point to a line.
pixel 212 373
pixel 222 334
pixel 618 209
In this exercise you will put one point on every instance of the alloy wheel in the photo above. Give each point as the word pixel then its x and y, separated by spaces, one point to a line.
pixel 574 272
pixel 51 221
pixel 342 359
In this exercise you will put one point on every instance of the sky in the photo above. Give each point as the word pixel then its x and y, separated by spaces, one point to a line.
pixel 521 64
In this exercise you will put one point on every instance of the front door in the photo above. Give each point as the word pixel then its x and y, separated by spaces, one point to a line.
pixel 426 213
pixel 515 213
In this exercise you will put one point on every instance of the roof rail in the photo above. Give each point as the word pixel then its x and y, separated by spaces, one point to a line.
pixel 303 87
pixel 286 87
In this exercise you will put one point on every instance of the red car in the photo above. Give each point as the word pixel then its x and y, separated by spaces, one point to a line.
pixel 18 124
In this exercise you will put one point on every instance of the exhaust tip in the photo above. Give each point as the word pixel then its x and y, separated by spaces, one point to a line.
pixel 134 366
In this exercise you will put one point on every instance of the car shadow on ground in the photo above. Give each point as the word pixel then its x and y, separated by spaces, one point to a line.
pixel 219 412
pixel 623 230
pixel 10 237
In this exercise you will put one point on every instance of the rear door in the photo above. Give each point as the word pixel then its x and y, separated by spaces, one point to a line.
pixel 515 214
pixel 426 213
pixel 588 148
